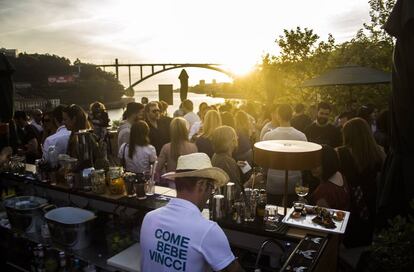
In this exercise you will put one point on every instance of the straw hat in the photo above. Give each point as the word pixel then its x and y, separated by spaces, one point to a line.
pixel 198 165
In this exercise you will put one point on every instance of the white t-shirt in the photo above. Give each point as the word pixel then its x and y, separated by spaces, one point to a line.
pixel 266 128
pixel 276 178
pixel 59 139
pixel 177 237
pixel 191 118
pixel 123 133
pixel 141 159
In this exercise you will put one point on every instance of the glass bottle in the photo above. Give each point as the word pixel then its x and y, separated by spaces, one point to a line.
pixel 116 181
pixel 62 262
pixel 261 205
pixel 98 181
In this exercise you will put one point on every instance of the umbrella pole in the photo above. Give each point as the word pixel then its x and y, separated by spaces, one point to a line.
pixel 285 195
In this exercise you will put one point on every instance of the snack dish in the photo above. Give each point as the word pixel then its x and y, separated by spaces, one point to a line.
pixel 318 218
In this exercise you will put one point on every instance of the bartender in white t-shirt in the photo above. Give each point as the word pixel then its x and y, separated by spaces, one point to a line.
pixel 177 237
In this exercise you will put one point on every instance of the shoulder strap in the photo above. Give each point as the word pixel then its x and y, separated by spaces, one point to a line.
pixel 123 160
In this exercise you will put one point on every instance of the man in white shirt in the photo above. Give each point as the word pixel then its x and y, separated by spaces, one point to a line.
pixel 60 138
pixel 36 121
pixel 276 178
pixel 189 115
pixel 177 237
pixel 269 126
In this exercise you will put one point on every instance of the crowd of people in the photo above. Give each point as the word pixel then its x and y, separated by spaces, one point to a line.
pixel 354 146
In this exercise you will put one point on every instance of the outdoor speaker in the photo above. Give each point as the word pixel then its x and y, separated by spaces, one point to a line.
pixel 165 93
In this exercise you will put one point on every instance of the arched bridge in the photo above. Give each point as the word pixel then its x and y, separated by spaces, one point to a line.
pixel 157 68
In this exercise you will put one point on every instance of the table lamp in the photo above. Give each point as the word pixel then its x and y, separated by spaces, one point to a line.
pixel 287 155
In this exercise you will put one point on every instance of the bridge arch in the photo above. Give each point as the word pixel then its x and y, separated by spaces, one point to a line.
pixel 180 66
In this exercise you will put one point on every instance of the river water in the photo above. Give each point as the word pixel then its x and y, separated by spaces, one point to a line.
pixel 116 114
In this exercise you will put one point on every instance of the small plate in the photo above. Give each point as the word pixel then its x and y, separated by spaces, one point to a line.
pixel 307 223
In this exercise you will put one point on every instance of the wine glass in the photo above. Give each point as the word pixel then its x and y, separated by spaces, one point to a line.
pixel 302 190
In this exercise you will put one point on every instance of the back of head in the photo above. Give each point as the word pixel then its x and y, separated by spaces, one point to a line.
pixel 365 112
pixel 144 100
pixel 299 108
pixel 132 108
pixel 212 120
pixel 186 184
pixel 227 119
pixel 242 122
pixel 35 112
pixel 357 136
pixel 383 121
pixel 20 115
pixel 324 105
pixel 138 136
pixel 223 138
pixel 178 134
pixel 96 107
pixel 58 114
pixel 77 114
pixel 163 106
pixel 187 105
pixel 284 112
pixel 330 162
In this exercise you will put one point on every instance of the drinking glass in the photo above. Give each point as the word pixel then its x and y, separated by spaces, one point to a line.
pixel 250 205
pixel 271 218
pixel 150 188
pixel 302 190
pixel 149 183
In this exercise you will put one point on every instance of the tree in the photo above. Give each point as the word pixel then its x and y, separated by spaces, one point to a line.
pixel 379 12
pixel 296 45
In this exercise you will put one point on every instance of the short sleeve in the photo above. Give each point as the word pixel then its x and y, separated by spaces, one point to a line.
pixel 121 151
pixel 152 153
pixel 216 249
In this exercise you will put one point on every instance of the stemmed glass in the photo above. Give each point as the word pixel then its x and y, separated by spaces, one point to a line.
pixel 302 190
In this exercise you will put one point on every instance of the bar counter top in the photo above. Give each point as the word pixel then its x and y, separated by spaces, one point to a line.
pixel 254 231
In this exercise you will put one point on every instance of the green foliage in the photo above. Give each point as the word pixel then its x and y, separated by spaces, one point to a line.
pixel 304 56
pixel 393 249
pixel 296 45
pixel 379 13
pixel 92 85
pixel 36 68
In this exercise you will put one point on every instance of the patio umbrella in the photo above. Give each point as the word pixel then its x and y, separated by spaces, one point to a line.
pixel 349 75
pixel 6 89
pixel 184 85
pixel 397 182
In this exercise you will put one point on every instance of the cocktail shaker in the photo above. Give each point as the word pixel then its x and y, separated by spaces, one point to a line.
pixel 230 192
pixel 218 207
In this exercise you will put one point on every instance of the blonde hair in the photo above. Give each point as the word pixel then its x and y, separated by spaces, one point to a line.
pixel 357 136
pixel 212 120
pixel 222 139
pixel 178 134
pixel 242 122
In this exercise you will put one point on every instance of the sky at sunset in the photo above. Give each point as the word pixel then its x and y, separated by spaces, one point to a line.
pixel 233 33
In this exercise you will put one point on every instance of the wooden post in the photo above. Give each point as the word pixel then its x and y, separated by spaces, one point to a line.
pixel 129 75
pixel 116 69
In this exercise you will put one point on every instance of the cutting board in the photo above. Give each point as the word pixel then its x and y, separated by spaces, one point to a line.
pixel 127 260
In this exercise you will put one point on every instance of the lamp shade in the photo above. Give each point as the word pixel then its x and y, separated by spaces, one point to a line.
pixel 287 155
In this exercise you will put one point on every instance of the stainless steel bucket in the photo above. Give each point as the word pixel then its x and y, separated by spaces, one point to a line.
pixel 70 227
pixel 25 213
